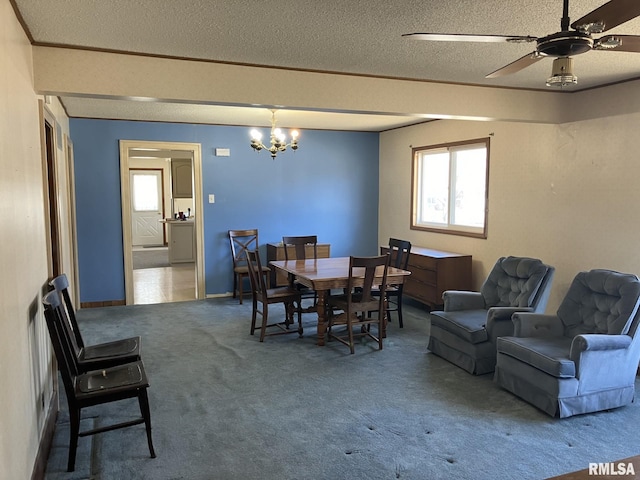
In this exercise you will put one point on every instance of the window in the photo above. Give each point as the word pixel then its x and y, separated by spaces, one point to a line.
pixel 145 192
pixel 450 188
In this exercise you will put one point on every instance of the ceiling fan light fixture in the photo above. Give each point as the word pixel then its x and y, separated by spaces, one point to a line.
pixel 562 73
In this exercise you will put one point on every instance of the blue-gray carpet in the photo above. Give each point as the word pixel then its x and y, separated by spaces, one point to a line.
pixel 225 406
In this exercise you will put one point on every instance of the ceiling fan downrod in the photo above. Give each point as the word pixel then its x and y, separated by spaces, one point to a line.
pixel 565 42
pixel 565 22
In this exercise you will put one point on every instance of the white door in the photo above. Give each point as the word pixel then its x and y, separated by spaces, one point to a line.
pixel 146 207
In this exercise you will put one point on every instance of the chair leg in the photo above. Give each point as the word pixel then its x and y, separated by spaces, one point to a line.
pixel 143 400
pixel 235 284
pixel 254 314
pixel 399 307
pixel 350 330
pixel 240 287
pixel 384 319
pixel 387 311
pixel 74 430
pixel 300 330
pixel 265 317
pixel 289 308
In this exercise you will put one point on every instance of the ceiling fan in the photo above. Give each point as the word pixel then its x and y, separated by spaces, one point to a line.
pixel 563 44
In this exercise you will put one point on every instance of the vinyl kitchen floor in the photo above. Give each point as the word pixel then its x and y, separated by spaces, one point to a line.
pixel 166 284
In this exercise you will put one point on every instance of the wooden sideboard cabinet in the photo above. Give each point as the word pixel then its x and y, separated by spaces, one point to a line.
pixel 275 251
pixel 433 272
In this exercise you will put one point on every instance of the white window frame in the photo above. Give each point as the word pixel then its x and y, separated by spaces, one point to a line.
pixel 418 189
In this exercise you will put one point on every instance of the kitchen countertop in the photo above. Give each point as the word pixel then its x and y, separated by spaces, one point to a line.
pixel 173 220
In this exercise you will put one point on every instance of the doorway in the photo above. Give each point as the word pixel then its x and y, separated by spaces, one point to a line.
pixel 168 283
pixel 59 201
pixel 55 258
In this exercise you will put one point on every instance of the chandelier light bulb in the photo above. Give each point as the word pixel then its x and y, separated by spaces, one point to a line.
pixel 256 135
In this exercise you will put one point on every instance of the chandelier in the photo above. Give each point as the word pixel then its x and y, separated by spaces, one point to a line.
pixel 277 141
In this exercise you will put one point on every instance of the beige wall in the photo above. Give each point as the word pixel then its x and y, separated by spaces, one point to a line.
pixel 25 356
pixel 567 194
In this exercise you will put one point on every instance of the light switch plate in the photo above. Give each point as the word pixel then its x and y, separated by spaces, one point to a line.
pixel 212 198
pixel 223 152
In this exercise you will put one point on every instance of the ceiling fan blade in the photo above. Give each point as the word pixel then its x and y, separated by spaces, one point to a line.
pixel 463 37
pixel 630 43
pixel 516 66
pixel 609 15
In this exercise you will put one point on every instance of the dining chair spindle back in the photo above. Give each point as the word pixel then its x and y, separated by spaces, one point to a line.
pixel 241 241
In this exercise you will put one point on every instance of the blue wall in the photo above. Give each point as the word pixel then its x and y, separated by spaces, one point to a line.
pixel 329 187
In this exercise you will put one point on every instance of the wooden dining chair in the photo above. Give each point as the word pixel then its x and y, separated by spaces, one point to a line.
pixel 399 251
pixel 299 245
pixel 296 248
pixel 95 387
pixel 352 308
pixel 267 296
pixel 241 241
pixel 100 355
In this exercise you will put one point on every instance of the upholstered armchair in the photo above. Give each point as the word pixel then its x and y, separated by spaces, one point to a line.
pixel 584 358
pixel 466 330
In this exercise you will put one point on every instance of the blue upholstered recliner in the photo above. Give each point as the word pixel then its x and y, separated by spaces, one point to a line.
pixel 584 358
pixel 465 332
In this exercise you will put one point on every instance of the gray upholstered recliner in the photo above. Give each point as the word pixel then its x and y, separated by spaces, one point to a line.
pixel 584 358
pixel 465 332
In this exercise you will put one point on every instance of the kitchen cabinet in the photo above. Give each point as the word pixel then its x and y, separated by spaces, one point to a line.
pixel 181 178
pixel 182 241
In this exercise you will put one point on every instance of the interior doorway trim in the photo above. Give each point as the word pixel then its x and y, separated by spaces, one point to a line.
pixel 125 146
pixel 51 188
pixel 71 206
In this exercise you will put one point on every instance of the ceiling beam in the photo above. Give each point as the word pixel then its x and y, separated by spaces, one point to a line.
pixel 66 71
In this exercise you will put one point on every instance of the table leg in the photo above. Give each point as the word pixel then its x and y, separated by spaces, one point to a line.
pixel 322 316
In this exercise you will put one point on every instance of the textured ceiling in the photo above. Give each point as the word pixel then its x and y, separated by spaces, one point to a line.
pixel 361 37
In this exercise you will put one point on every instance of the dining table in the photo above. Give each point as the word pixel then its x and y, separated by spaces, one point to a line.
pixel 325 274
